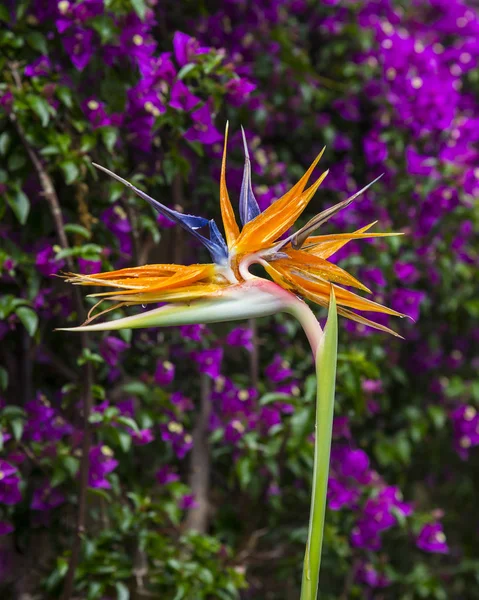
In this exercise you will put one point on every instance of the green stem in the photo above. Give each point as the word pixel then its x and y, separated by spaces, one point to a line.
pixel 326 358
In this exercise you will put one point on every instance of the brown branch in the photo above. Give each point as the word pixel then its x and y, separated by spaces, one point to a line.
pixel 197 518
pixel 146 248
pixel 50 195
pixel 135 233
pixel 350 578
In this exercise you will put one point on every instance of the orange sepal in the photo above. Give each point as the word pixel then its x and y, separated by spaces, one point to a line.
pixel 280 216
pixel 184 294
pixel 319 267
pixel 325 246
pixel 344 312
pixel 184 277
pixel 227 213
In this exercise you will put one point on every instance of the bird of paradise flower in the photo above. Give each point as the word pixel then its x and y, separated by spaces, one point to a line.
pixel 225 290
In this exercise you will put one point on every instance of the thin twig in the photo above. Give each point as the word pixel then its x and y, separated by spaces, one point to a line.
pixel 50 195
pixel 350 578
pixel 197 518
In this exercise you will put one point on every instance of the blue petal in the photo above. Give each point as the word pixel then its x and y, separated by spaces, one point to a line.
pixel 216 245
pixel 248 206
pixel 221 249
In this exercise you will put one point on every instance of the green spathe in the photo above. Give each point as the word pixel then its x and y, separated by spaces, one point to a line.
pixel 326 359
pixel 249 300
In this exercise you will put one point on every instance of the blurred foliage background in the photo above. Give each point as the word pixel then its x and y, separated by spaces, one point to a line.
pixel 199 440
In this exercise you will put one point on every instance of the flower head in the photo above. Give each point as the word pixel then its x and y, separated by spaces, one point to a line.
pixel 297 262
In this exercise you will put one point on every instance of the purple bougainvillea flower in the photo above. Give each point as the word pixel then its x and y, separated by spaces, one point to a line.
pixel 340 494
pixel 239 90
pixel 46 498
pixel 234 431
pixel 181 402
pixel 181 98
pixel 45 261
pixel 186 48
pixel 111 349
pixel 164 222
pixel 203 129
pixel 194 332
pixel 371 577
pixel 174 433
pixel 95 112
pixel 165 476
pixel 373 275
pixel 9 484
pixel 408 302
pixel 101 464
pixel 44 423
pixel 115 219
pixel 78 45
pixel 465 420
pixel 355 463
pixel 88 267
pixel 372 386
pixel 5 528
pixel 278 370
pixel 165 372
pixel 187 502
pixel 142 437
pixel 39 67
pixel 406 272
pixel 240 337
pixel 375 150
pixel 432 539
pixel 209 361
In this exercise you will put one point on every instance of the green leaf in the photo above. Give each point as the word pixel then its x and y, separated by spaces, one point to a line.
pixel 438 415
pixel 87 251
pixel 71 465
pixel 5 140
pixel 77 230
pixel 20 204
pixel 64 94
pixel 185 70
pixel 122 592
pixel 50 150
pixel 88 356
pixel 40 107
pixel 124 440
pixel 128 422
pixel 3 378
pixel 4 14
pixel 17 428
pixel 70 171
pixel 136 388
pixel 98 391
pixel 109 135
pixel 16 161
pixel 274 397
pixel 21 8
pixel 105 27
pixel 245 471
pixel 139 7
pixel 29 319
pixel 37 41
pixel 13 412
